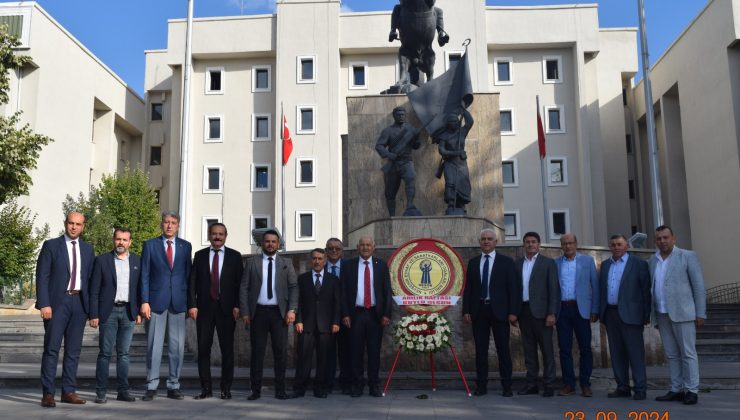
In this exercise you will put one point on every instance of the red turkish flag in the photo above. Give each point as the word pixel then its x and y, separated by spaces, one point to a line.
pixel 540 135
pixel 287 142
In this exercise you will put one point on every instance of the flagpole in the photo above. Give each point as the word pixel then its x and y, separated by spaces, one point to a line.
pixel 185 118
pixel 282 177
pixel 542 175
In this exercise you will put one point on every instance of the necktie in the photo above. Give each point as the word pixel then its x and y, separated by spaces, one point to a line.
pixel 269 278
pixel 214 275
pixel 367 298
pixel 74 266
pixel 334 270
pixel 317 285
pixel 484 277
pixel 169 253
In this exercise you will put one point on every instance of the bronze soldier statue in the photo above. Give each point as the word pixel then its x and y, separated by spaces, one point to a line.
pixel 454 164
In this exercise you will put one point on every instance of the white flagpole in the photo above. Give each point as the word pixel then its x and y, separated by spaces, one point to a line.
pixel 185 119
pixel 282 177
pixel 546 234
pixel 650 120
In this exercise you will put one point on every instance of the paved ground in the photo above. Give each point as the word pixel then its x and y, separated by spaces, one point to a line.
pixel 447 404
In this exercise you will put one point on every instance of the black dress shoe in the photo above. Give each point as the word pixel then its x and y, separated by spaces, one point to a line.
pixel 101 399
pixel 255 395
pixel 639 395
pixel 206 393
pixel 375 392
pixel 507 392
pixel 297 394
pixel 548 392
pixel 125 396
pixel 320 394
pixel 691 398
pixel 346 391
pixel 671 396
pixel 175 394
pixel 619 393
pixel 530 390
pixel 480 391
pixel 149 395
pixel 226 394
pixel 356 392
pixel 281 396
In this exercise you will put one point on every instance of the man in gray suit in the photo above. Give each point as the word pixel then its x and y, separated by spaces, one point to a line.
pixel 579 293
pixel 540 303
pixel 679 306
pixel 624 285
pixel 268 300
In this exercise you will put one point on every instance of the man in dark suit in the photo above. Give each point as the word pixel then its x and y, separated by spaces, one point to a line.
pixel 579 293
pixel 114 307
pixel 339 348
pixel 213 302
pixel 62 273
pixel 268 299
pixel 540 299
pixel 367 309
pixel 165 270
pixel 317 321
pixel 624 283
pixel 491 300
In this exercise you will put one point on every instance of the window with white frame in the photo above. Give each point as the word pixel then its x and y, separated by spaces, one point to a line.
pixel 261 174
pixel 304 222
pixel 358 75
pixel 557 171
pixel 552 69
pixel 510 172
pixel 261 124
pixel 305 172
pixel 259 221
pixel 452 58
pixel 212 176
pixel 559 223
pixel 306 117
pixel 555 119
pixel 512 231
pixel 214 80
pixel 502 71
pixel 506 119
pixel 306 69
pixel 261 78
pixel 206 223
pixel 213 129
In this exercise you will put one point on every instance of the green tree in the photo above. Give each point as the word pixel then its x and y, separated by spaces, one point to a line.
pixel 121 200
pixel 19 146
pixel 19 244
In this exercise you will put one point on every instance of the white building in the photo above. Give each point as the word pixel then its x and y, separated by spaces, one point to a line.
pixel 68 94
pixel 308 57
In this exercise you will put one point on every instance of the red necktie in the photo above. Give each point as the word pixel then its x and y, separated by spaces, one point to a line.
pixel 214 275
pixel 169 253
pixel 74 266
pixel 368 299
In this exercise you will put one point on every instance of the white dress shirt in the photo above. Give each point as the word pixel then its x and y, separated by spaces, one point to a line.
pixel 360 301
pixel 68 241
pixel 122 277
pixel 526 274
pixel 490 270
pixel 262 299
pixel 659 292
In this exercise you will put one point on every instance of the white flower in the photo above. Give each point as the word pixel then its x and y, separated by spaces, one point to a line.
pixel 429 339
pixel 424 326
pixel 444 338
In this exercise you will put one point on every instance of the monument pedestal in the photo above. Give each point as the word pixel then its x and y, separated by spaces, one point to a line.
pixel 457 231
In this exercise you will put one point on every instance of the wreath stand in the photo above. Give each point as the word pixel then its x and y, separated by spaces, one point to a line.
pixel 431 363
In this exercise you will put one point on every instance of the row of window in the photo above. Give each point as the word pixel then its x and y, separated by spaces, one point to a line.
pixel 559 224
pixel 503 70
pixel 304 220
pixel 213 125
pixel 213 176
pixel 554 120
pixel 557 172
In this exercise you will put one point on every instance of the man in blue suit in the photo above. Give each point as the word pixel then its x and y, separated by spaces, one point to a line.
pixel 579 304
pixel 62 274
pixel 624 286
pixel 114 306
pixel 165 270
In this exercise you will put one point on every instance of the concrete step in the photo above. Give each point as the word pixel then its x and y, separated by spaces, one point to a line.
pixel 718 357
pixel 703 335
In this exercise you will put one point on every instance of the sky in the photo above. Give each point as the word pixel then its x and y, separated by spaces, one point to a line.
pixel 119 31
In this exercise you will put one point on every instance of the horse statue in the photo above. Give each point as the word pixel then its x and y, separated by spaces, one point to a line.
pixel 417 21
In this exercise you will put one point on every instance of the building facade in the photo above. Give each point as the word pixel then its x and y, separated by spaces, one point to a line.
pixel 68 94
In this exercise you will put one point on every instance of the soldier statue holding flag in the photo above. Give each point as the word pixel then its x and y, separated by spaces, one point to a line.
pixel 454 164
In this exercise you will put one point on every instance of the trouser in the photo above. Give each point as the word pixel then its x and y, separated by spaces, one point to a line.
pixel 536 334
pixel 267 319
pixel 627 349
pixel 310 343
pixel 483 324
pixel 174 324
pixel 67 322
pixel 340 353
pixel 211 318
pixel 117 330
pixel 367 335
pixel 679 344
pixel 570 321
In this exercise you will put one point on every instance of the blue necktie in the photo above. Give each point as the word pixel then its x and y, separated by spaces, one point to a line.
pixel 334 270
pixel 484 282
